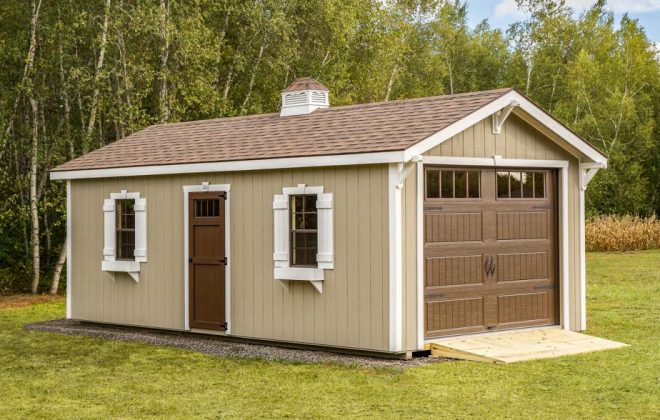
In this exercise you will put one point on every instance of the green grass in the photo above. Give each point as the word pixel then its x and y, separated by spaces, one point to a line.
pixel 51 375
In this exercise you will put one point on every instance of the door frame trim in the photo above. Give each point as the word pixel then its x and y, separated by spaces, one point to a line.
pixel 494 162
pixel 206 187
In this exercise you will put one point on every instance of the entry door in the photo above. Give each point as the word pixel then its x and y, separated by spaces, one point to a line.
pixel 489 249
pixel 206 212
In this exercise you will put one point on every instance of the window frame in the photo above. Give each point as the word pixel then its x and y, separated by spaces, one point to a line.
pixel 111 263
pixel 453 199
pixel 293 229
pixel 283 269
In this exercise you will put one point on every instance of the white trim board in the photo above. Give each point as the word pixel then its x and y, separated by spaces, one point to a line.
pixel 396 258
pixel 206 187
pixel 69 240
pixel 509 99
pixel 497 161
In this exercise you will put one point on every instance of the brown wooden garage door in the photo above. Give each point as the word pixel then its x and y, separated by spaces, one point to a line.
pixel 490 249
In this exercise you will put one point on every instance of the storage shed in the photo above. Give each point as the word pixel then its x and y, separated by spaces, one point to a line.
pixel 369 227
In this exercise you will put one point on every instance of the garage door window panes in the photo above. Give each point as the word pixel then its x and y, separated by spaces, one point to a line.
pixel 517 184
pixel 452 184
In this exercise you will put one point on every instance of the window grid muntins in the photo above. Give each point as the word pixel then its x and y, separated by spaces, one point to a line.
pixel 520 184
pixel 207 208
pixel 125 228
pixel 453 183
pixel 304 230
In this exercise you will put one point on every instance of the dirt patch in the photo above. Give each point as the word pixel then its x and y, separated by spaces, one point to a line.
pixel 18 301
pixel 219 347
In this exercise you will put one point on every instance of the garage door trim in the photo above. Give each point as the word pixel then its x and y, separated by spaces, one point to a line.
pixel 494 162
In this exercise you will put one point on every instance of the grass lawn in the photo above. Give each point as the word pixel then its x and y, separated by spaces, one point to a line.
pixel 51 375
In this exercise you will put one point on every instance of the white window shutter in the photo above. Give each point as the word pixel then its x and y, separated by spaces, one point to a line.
pixel 109 229
pixel 140 208
pixel 325 256
pixel 281 228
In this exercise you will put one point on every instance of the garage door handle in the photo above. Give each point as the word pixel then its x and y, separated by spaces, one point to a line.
pixel 487 266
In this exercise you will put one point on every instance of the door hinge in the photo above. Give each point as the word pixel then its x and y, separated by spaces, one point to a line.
pixel 224 326
pixel 224 261
pixel 190 259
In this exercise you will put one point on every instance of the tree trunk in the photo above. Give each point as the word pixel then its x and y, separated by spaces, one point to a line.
pixel 34 211
pixel 252 77
pixel 67 107
pixel 58 269
pixel 164 55
pixel 390 83
pixel 99 65
pixel 29 63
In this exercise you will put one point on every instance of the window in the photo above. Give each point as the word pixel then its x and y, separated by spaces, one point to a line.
pixel 125 225
pixel 520 184
pixel 452 183
pixel 124 233
pixel 304 233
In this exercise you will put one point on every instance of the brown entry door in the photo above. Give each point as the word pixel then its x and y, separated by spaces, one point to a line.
pixel 206 212
pixel 489 249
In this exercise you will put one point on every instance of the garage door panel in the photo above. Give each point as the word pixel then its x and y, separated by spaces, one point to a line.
pixel 454 314
pixel 453 227
pixel 522 225
pixel 522 266
pixel 455 270
pixel 523 307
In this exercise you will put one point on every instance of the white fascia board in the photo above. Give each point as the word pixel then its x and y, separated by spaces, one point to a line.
pixel 239 165
pixel 502 102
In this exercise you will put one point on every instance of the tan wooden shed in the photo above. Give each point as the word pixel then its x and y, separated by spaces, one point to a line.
pixel 370 227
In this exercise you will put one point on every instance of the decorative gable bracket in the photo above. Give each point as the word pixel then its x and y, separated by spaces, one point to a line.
pixel 500 116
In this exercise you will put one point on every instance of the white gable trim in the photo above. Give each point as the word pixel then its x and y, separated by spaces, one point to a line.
pixel 516 99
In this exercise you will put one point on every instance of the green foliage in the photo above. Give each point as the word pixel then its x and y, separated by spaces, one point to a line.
pixel 59 376
pixel 175 60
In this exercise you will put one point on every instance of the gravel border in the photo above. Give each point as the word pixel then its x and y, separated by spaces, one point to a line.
pixel 216 346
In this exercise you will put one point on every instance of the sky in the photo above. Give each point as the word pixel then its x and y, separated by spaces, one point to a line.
pixel 501 13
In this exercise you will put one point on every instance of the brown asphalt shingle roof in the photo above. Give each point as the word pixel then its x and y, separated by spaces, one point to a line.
pixel 305 83
pixel 376 127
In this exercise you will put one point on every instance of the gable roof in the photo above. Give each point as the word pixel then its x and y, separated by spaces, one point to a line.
pixel 386 131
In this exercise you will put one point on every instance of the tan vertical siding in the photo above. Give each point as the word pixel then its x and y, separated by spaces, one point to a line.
pixel 353 310
pixel 518 140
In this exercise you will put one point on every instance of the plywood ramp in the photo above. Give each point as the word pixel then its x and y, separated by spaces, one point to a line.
pixel 519 345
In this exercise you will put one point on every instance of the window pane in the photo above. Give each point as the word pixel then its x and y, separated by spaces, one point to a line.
pixel 299 256
pixel 432 184
pixel 125 244
pixel 473 184
pixel 528 184
pixel 310 221
pixel 516 191
pixel 299 221
pixel 447 183
pixel 298 239
pixel 310 256
pixel 296 203
pixel 310 202
pixel 539 185
pixel 503 185
pixel 460 184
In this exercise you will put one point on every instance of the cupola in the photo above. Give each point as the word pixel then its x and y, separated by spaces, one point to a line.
pixel 304 96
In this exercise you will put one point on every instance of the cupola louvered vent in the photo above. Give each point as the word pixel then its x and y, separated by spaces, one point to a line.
pixel 304 96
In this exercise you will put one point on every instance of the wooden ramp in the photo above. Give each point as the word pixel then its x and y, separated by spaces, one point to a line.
pixel 519 345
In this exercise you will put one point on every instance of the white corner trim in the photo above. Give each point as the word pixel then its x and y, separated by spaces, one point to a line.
pixel 396 257
pixel 325 256
pixel 206 187
pixel 586 174
pixel 420 255
pixel 69 265
pixel 564 306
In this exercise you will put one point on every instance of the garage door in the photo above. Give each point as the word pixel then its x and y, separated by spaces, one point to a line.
pixel 490 249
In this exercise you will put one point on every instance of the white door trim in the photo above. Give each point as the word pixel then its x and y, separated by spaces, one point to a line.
pixel 396 258
pixel 497 161
pixel 69 241
pixel 206 187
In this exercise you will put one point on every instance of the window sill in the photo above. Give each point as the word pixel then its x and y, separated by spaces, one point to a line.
pixel 123 266
pixel 311 274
